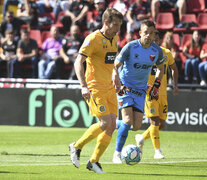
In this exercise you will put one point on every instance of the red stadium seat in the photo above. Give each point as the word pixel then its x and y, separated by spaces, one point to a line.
pixel 165 21
pixel 186 38
pixel 36 35
pixel 176 39
pixel 195 6
pixel 186 18
pixel 45 35
pixel 202 22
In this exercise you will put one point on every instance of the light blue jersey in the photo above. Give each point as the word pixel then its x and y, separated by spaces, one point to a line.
pixel 137 64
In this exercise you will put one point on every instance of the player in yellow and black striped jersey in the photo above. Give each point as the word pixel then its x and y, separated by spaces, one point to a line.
pixel 99 51
pixel 156 110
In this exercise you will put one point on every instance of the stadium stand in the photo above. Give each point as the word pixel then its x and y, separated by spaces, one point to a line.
pixel 165 21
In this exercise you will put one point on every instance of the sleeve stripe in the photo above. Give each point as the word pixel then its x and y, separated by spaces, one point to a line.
pixel 83 55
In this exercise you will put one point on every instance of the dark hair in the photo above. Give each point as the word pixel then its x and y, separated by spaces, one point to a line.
pixel 147 23
pixel 158 33
pixel 109 13
pixel 193 43
pixel 25 31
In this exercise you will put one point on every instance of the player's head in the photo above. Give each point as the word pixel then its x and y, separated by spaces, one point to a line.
pixel 147 31
pixel 158 37
pixel 112 20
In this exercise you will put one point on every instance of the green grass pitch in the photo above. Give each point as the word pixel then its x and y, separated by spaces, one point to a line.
pixel 41 153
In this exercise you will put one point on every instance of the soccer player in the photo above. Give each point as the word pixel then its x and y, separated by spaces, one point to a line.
pixel 137 58
pixel 156 111
pixel 99 50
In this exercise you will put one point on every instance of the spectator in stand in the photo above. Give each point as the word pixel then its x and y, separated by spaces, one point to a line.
pixel 51 47
pixel 156 5
pixel 128 37
pixel 27 51
pixel 168 43
pixel 120 5
pixel 49 4
pixel 27 12
pixel 6 3
pixel 96 20
pixel 10 23
pixel 137 12
pixel 202 67
pixel 69 52
pixel 76 14
pixel 64 5
pixel 192 50
pixel 8 54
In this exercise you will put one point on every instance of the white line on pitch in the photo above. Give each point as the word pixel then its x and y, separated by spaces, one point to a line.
pixel 66 163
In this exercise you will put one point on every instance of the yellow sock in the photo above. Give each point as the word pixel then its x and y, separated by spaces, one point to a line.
pixel 146 134
pixel 154 134
pixel 91 133
pixel 102 143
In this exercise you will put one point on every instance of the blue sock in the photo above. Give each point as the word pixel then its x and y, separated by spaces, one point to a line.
pixel 122 134
pixel 118 123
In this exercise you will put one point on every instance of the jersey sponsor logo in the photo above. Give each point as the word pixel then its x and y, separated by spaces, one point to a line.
pixel 102 108
pixel 110 57
pixel 142 66
pixel 152 110
pixel 152 57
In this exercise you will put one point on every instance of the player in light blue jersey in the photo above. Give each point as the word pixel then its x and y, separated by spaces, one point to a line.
pixel 137 58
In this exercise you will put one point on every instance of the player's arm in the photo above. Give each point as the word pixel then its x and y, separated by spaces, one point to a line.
pixel 175 78
pixel 80 72
pixel 154 92
pixel 116 79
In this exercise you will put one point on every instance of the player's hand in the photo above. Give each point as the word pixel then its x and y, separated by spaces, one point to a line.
pixel 123 90
pixel 175 90
pixel 154 92
pixel 116 82
pixel 86 93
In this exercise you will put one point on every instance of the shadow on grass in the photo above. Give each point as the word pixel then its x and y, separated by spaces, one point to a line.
pixel 142 174
pixel 7 172
pixel 38 155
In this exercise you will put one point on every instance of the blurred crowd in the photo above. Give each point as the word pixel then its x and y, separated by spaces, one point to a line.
pixel 41 38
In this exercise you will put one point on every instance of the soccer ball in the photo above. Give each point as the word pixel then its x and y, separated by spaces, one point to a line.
pixel 131 154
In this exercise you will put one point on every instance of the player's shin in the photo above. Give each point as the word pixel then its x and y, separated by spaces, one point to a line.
pixel 122 134
pixel 103 141
pixel 91 133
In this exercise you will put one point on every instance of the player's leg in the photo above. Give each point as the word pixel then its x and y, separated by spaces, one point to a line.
pixel 92 132
pixel 122 133
pixel 151 110
pixel 108 124
pixel 108 108
pixel 154 135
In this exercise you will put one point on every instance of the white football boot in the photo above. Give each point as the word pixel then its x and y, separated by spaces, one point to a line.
pixel 117 157
pixel 74 155
pixel 158 154
pixel 140 141
pixel 96 167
